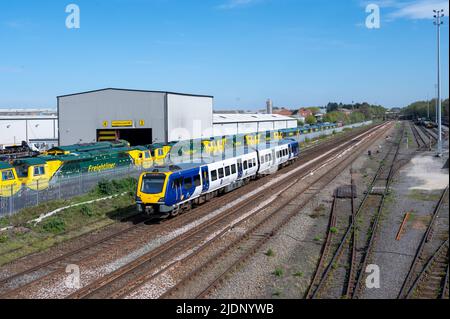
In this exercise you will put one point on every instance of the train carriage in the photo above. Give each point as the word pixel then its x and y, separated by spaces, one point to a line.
pixel 170 190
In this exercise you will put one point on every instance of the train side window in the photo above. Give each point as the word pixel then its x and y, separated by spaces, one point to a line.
pixel 250 164
pixel 197 180
pixel 254 162
pixel 188 183
pixel 221 175
pixel 262 159
pixel 245 164
pixel 267 157
pixel 214 175
pixel 227 171
pixel 233 169
pixel 7 175
pixel 38 171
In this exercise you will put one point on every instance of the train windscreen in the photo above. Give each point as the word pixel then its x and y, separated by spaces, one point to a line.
pixel 153 184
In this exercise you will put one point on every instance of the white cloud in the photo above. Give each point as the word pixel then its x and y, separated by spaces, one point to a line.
pixel 233 4
pixel 422 9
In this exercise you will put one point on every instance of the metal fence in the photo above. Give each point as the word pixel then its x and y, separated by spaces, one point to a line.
pixel 60 188
pixel 68 187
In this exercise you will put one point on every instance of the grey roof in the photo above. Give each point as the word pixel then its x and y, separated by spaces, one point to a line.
pixel 247 118
pixel 133 90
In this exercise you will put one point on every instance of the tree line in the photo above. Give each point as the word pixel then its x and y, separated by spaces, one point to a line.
pixel 425 109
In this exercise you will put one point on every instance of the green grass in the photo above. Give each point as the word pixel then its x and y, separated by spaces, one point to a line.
pixel 298 274
pixel 424 196
pixel 270 253
pixel 333 230
pixel 278 272
pixel 317 238
pixel 276 293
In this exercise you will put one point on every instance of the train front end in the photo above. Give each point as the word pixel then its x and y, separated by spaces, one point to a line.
pixel 151 193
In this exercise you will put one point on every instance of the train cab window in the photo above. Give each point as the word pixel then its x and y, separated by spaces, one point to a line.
pixel 233 169
pixel 227 171
pixel 7 175
pixel 22 170
pixel 214 175
pixel 153 184
pixel 221 175
pixel 39 171
pixel 197 182
pixel 147 154
pixel 188 183
pixel 245 165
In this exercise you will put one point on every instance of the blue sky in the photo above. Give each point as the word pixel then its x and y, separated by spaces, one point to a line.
pixel 297 52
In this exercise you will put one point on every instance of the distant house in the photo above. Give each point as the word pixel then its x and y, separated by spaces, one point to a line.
pixel 283 111
pixel 303 113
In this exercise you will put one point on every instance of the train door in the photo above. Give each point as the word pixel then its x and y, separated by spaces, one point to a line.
pixel 205 178
pixel 239 168
pixel 177 185
pixel 274 158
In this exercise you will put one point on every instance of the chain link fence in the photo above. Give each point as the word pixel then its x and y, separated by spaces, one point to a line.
pixel 59 188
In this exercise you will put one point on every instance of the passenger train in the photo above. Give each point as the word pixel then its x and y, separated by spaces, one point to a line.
pixel 168 191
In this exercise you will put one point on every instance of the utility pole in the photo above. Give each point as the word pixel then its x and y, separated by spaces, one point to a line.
pixel 438 14
pixel 428 108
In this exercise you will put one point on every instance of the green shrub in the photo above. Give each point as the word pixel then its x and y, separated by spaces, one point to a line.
pixel 54 225
pixel 298 274
pixel 4 238
pixel 86 211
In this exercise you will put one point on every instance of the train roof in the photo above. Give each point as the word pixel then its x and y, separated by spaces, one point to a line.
pixel 5 165
pixel 31 161
pixel 88 147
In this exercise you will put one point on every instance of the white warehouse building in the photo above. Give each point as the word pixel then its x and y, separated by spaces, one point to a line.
pixel 232 124
pixel 37 127
pixel 138 116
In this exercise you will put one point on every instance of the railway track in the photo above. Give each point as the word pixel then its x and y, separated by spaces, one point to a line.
pixel 335 235
pixel 250 242
pixel 364 221
pixel 428 274
pixel 9 286
pixel 417 137
pixel 432 138
pixel 132 276
pixel 19 282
